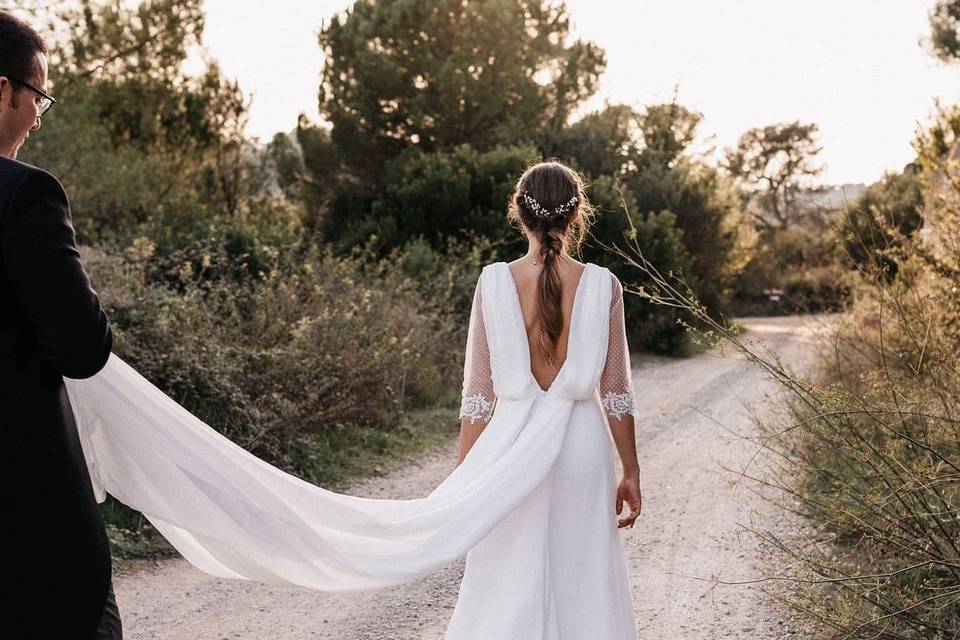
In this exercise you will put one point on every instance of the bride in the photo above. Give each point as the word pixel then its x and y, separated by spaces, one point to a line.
pixel 533 501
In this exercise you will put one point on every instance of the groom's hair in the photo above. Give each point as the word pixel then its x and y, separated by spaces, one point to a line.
pixel 19 45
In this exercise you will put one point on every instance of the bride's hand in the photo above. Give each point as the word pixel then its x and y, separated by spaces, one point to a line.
pixel 629 491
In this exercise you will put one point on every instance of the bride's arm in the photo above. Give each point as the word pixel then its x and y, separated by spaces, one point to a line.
pixel 617 396
pixel 469 432
pixel 625 439
pixel 478 397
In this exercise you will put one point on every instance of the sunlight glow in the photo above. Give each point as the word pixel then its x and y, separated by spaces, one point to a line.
pixel 856 68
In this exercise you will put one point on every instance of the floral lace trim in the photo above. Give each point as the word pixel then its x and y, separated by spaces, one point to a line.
pixel 618 405
pixel 476 407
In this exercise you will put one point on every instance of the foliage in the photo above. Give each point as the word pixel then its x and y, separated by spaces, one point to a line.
pixel 646 154
pixel 118 41
pixel 439 74
pixel 127 61
pixel 427 147
pixel 775 160
pixel 878 224
pixel 649 327
pixel 601 143
pixel 667 131
pixel 817 289
pixel 316 343
pixel 285 158
pixel 319 179
pixel 880 462
pixel 716 235
pixel 449 274
pixel 938 149
pixel 136 142
pixel 945 30
pixel 803 265
pixel 618 140
pixel 871 456
pixel 654 328
pixel 434 196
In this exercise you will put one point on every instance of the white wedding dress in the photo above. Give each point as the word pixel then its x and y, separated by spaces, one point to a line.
pixel 532 505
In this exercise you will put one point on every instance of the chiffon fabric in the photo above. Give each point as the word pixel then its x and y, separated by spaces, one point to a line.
pixel 532 505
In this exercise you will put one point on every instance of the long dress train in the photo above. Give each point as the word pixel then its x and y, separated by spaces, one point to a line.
pixel 532 505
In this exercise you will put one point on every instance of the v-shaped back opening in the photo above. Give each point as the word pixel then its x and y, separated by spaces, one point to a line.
pixel 523 324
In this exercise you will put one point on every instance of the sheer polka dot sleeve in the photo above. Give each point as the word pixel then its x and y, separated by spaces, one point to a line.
pixel 478 397
pixel 616 381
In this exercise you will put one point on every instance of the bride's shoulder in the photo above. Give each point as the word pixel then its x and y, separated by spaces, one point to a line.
pixel 490 271
pixel 607 275
pixel 600 269
pixel 492 266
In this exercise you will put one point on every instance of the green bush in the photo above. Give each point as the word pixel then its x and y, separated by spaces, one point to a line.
pixel 817 290
pixel 870 460
pixel 799 261
pixel 449 274
pixel 650 327
pixel 886 213
pixel 433 197
pixel 316 342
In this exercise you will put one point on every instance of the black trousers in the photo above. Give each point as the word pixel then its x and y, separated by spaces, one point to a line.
pixel 110 627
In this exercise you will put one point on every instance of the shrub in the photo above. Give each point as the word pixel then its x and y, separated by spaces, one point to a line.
pixel 819 289
pixel 649 327
pixel 872 454
pixel 432 196
pixel 802 262
pixel 878 450
pixel 318 342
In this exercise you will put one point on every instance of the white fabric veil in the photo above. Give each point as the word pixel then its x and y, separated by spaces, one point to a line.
pixel 236 516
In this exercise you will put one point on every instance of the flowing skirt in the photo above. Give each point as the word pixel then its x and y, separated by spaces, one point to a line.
pixel 554 568
pixel 532 506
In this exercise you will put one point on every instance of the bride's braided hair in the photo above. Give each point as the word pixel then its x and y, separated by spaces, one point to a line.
pixel 549 200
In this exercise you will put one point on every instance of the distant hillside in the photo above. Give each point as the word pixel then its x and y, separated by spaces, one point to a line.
pixel 832 196
pixel 821 199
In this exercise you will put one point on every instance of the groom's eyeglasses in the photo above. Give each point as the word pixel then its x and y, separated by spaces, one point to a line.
pixel 46 100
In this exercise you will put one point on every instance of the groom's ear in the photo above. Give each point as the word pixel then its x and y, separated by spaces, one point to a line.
pixel 9 94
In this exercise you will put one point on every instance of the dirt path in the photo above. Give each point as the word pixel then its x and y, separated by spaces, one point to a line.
pixel 689 532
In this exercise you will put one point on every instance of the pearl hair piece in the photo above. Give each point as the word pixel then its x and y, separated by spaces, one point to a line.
pixel 538 210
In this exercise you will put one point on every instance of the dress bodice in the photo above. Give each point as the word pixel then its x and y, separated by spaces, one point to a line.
pixel 498 352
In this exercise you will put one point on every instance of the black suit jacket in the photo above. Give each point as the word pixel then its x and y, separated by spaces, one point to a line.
pixel 54 554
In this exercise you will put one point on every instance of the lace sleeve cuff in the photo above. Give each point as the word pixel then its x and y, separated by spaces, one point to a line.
pixel 618 405
pixel 476 407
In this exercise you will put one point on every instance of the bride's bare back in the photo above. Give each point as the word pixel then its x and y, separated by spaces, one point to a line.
pixel 525 277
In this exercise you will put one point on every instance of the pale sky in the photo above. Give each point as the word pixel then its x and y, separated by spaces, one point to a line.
pixel 854 67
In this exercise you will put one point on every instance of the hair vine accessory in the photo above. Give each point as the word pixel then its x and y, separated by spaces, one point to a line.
pixel 539 210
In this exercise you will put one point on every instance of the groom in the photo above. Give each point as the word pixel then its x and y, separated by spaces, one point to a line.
pixel 55 571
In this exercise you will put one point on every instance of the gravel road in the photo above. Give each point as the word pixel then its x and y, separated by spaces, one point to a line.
pixel 690 532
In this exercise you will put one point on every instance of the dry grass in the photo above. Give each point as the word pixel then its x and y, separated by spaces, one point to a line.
pixel 869 453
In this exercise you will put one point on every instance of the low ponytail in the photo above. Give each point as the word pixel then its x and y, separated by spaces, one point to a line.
pixel 550 202
pixel 549 290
